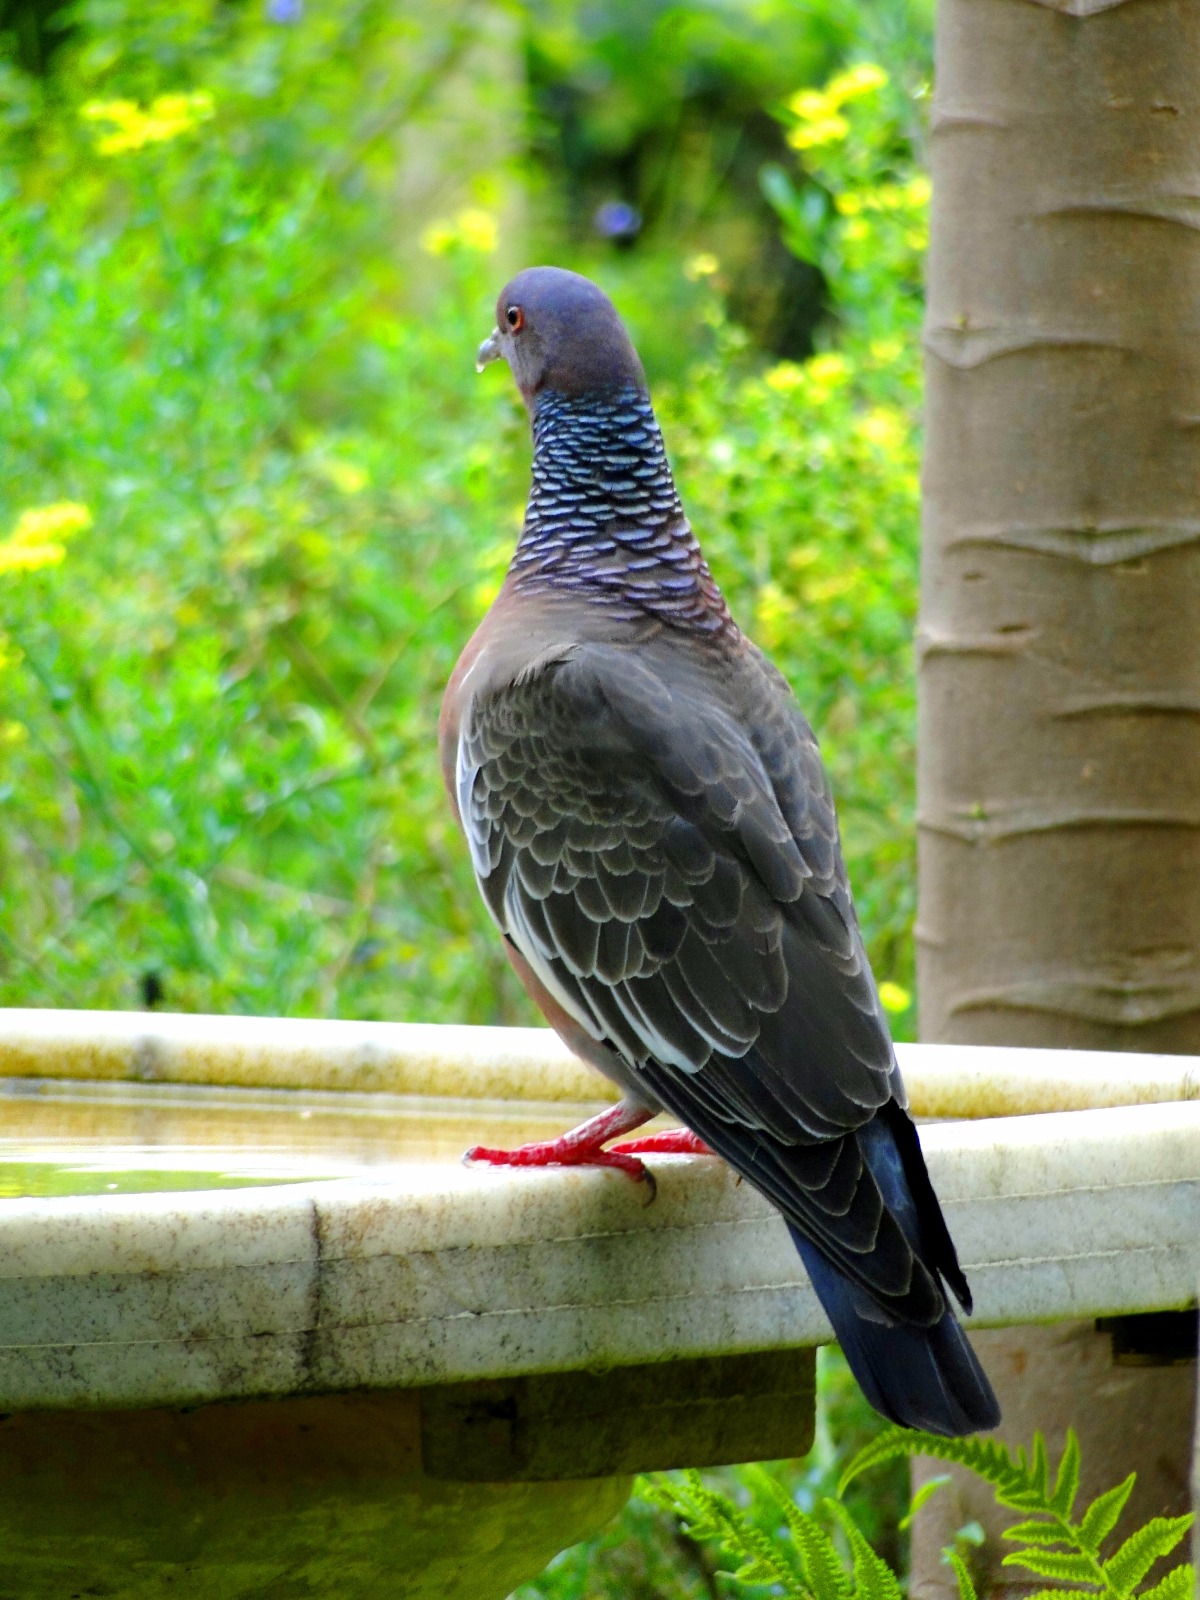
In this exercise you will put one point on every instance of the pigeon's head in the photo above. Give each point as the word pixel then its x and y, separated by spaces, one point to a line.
pixel 559 331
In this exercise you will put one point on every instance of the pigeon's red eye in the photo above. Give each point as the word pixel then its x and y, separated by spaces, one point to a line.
pixel 515 318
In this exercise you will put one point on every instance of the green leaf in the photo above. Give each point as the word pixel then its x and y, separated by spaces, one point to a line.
pixel 757 1570
pixel 1023 1499
pixel 1039 1533
pixel 1039 1469
pixel 1179 1584
pixel 1101 1516
pixel 923 1495
pixel 819 1560
pixel 886 1446
pixel 966 1585
pixel 700 1526
pixel 1129 1565
pixel 1068 1568
pixel 988 1458
pixel 690 1501
pixel 1066 1483
pixel 820 1565
pixel 873 1578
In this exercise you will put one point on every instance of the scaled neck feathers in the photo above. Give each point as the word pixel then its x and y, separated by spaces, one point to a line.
pixel 604 519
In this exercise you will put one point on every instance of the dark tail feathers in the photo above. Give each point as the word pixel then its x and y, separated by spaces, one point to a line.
pixel 919 1377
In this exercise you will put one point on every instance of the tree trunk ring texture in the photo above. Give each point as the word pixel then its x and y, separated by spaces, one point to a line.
pixel 1059 641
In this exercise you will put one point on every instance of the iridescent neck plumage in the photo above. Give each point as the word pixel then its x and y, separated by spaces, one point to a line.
pixel 604 518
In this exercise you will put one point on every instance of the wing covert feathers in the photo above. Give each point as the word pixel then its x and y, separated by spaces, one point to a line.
pixel 658 840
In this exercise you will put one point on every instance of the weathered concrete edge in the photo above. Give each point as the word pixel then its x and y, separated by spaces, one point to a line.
pixel 517 1063
pixel 436 1274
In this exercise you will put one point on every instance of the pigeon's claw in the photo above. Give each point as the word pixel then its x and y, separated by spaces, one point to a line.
pixel 563 1152
pixel 674 1142
pixel 582 1147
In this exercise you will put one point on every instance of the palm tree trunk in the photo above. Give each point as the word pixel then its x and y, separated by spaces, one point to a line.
pixel 1059 646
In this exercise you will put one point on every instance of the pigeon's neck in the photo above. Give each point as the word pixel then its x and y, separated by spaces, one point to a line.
pixel 604 518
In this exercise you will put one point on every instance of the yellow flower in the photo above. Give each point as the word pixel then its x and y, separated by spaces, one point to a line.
pixel 818 111
pixel 893 998
pixel 826 373
pixel 812 131
pixel 703 265
pixel 345 476
pixel 885 428
pixel 131 126
pixel 471 229
pixel 809 104
pixel 855 82
pixel 37 539
pixel 785 377
pixel 828 367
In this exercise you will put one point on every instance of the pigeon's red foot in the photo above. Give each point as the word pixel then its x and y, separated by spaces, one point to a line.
pixel 558 1153
pixel 582 1147
pixel 674 1142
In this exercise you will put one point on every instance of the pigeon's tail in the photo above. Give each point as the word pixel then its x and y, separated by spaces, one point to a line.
pixel 920 1377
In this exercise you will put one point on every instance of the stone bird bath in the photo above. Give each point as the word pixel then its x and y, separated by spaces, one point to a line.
pixel 262 1334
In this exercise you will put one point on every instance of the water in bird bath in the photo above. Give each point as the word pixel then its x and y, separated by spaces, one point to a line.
pixel 44 1174
pixel 78 1138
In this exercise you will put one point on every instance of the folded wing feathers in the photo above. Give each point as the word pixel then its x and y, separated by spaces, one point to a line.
pixel 679 891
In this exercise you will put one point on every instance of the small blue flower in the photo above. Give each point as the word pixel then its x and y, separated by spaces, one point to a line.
pixel 285 10
pixel 617 220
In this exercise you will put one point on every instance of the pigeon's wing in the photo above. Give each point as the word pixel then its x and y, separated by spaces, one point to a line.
pixel 660 845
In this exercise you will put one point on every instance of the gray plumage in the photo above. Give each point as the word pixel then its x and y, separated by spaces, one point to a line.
pixel 653 833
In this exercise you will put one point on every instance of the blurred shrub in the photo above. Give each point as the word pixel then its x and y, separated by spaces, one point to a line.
pixel 804 481
pixel 228 344
pixel 650 123
pixel 219 707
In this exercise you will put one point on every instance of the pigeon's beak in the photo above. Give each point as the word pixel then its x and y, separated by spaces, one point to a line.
pixel 489 350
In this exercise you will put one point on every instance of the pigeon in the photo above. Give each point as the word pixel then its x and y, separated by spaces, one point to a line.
pixel 653 833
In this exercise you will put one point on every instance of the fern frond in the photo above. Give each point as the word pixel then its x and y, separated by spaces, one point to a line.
pixel 1044 1533
pixel 1065 1566
pixel 1124 1570
pixel 823 1570
pixel 988 1458
pixel 809 1566
pixel 819 1561
pixel 1101 1516
pixel 1066 1482
pixel 873 1578
pixel 710 1516
pixel 756 1570
pixel 923 1495
pixel 1179 1584
pixel 685 1500
pixel 966 1584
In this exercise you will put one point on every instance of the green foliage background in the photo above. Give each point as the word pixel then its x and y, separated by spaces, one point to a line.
pixel 247 252
pixel 243 341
